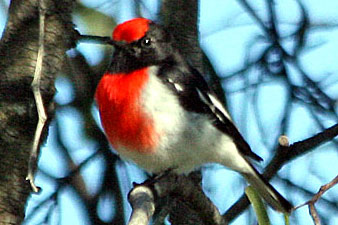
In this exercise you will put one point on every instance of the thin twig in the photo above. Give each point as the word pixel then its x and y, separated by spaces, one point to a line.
pixel 254 15
pixel 38 99
pixel 283 155
pixel 331 203
pixel 302 147
pixel 316 197
pixel 314 214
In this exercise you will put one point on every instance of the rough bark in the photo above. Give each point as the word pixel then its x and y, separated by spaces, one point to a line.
pixel 18 116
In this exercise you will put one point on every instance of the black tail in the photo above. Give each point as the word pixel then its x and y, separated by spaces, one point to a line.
pixel 269 193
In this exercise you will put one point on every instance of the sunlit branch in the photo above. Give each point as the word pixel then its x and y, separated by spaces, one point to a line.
pixel 316 197
pixel 38 99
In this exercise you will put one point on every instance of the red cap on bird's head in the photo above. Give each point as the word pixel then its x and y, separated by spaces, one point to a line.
pixel 131 30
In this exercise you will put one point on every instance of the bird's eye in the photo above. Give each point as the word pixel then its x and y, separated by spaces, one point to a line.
pixel 146 42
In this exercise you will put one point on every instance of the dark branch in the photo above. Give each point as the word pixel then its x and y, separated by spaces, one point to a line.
pixel 184 190
pixel 284 154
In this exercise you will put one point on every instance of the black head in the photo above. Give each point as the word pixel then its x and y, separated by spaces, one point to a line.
pixel 139 45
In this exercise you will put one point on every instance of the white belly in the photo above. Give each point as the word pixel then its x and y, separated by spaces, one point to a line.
pixel 187 140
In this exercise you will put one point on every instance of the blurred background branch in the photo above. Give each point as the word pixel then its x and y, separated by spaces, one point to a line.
pixel 269 58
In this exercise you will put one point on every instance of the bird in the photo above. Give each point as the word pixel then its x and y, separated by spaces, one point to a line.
pixel 159 112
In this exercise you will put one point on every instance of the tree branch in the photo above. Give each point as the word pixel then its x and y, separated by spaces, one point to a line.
pixel 141 199
pixel 181 188
pixel 19 49
pixel 316 197
pixel 284 154
pixel 32 162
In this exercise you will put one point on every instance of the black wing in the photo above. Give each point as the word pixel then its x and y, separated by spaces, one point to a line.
pixel 195 96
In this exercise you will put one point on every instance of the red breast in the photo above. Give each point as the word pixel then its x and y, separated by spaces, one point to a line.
pixel 126 124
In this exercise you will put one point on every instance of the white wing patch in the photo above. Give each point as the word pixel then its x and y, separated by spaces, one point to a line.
pixel 212 105
pixel 219 106
pixel 215 104
pixel 177 86
pixel 202 97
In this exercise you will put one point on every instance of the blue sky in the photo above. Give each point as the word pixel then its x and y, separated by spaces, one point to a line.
pixel 225 31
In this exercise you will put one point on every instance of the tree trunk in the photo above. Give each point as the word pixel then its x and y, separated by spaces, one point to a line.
pixel 18 115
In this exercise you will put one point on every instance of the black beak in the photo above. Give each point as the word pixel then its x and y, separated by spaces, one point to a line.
pixel 117 44
pixel 100 40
